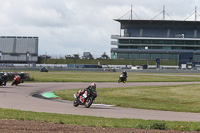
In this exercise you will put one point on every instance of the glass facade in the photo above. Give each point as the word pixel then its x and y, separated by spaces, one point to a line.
pixel 147 56
pixel 157 39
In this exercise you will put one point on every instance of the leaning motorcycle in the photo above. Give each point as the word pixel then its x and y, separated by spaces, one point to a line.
pixel 122 79
pixel 16 80
pixel 85 99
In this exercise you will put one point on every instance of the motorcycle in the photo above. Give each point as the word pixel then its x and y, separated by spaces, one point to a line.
pixel 43 69
pixel 16 80
pixel 3 80
pixel 85 99
pixel 122 78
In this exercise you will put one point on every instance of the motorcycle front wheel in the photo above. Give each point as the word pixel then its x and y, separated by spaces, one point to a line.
pixel 119 80
pixel 76 103
pixel 88 102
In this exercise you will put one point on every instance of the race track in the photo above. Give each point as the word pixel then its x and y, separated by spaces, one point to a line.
pixel 20 97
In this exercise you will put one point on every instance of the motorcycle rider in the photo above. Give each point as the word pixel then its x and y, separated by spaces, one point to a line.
pixel 5 78
pixel 22 75
pixel 123 75
pixel 92 87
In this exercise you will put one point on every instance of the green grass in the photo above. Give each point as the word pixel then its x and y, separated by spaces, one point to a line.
pixel 67 76
pixel 182 98
pixel 98 121
pixel 109 61
pixel 177 98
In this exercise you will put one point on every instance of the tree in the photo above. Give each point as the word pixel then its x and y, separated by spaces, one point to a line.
pixel 76 56
pixel 104 56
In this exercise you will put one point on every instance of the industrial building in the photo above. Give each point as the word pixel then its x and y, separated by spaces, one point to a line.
pixel 157 39
pixel 18 49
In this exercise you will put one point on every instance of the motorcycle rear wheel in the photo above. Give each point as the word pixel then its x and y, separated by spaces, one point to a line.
pixel 88 102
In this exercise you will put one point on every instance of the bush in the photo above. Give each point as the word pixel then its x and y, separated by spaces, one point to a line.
pixel 160 126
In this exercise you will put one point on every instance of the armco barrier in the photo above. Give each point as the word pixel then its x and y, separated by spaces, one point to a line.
pixel 21 69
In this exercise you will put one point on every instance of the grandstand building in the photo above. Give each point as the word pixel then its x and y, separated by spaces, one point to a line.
pixel 18 49
pixel 157 39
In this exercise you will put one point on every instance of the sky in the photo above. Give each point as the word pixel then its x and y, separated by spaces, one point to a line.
pixel 67 27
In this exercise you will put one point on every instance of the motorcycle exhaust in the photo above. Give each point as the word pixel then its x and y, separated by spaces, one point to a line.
pixel 75 96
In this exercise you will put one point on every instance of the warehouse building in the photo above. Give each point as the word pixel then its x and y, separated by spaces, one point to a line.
pixel 18 49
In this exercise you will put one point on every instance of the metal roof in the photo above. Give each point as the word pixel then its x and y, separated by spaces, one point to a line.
pixel 159 24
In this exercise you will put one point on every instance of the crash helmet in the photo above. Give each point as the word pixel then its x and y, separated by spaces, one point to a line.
pixel 93 85
pixel 124 71
pixel 5 74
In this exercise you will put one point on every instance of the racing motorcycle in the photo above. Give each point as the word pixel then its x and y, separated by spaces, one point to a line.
pixel 86 98
pixel 122 78
pixel 16 80
pixel 3 79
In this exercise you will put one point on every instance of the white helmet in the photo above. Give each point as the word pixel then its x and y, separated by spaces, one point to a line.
pixel 93 85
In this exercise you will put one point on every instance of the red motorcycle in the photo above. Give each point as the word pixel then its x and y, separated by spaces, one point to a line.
pixel 16 80
pixel 85 99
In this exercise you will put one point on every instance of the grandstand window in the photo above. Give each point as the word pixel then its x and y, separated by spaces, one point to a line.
pixel 134 47
pixel 190 42
pixel 178 41
pixel 157 41
pixel 122 55
pixel 155 56
pixel 166 56
pixel 134 56
pixel 175 57
pixel 141 47
pixel 123 41
pixel 168 41
pixel 146 41
pixel 145 56
pixel 156 47
pixel 198 42
pixel 123 46
pixel 167 47
pixel 177 48
pixel 135 41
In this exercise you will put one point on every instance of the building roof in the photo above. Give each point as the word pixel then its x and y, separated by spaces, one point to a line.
pixel 159 24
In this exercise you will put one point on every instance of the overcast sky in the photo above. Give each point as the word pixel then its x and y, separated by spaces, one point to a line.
pixel 69 27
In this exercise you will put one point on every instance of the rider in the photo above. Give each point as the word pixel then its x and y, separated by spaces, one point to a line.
pixel 91 87
pixel 5 78
pixel 22 75
pixel 123 75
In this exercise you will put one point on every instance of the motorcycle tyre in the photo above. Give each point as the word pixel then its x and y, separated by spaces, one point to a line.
pixel 76 103
pixel 13 83
pixel 119 81
pixel 88 102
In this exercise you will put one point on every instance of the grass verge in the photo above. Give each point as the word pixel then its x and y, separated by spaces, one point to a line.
pixel 67 76
pixel 98 121
pixel 182 98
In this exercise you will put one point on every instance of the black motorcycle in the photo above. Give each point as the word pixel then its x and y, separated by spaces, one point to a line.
pixel 3 80
pixel 85 99
pixel 122 79
pixel 43 69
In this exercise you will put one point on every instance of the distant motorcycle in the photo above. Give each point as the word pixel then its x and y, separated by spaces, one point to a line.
pixel 16 80
pixel 43 69
pixel 122 78
pixel 85 99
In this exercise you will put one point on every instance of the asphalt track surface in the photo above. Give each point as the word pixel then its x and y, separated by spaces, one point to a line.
pixel 20 97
